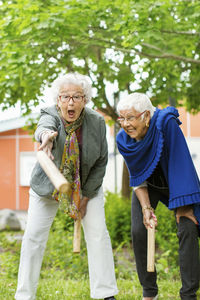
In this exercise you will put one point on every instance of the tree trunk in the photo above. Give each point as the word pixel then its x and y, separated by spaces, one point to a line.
pixel 126 189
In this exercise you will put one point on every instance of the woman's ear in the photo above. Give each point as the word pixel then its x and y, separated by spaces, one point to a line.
pixel 58 102
pixel 147 118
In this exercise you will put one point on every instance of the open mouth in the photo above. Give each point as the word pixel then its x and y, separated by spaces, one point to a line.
pixel 71 113
pixel 131 131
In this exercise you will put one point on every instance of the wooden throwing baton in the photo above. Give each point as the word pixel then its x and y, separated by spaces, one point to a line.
pixel 151 247
pixel 63 186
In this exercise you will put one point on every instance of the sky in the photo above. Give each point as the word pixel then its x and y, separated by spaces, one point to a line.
pixel 15 112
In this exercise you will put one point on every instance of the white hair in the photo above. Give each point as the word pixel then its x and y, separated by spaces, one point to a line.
pixel 72 78
pixel 139 101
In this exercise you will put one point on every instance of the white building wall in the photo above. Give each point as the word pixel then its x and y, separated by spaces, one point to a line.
pixel 113 177
pixel 194 147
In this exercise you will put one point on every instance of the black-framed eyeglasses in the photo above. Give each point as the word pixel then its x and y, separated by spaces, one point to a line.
pixel 75 98
pixel 130 118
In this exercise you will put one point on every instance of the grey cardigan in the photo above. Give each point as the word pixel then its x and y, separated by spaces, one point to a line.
pixel 94 151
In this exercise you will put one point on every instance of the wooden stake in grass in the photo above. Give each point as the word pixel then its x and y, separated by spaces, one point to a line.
pixel 77 235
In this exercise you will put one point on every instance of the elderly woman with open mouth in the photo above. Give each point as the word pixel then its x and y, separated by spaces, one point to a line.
pixel 74 136
pixel 160 168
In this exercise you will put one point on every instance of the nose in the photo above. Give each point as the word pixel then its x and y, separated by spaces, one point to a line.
pixel 71 101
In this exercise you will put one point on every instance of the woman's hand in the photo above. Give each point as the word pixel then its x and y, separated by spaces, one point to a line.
pixel 83 206
pixel 186 211
pixel 47 142
pixel 148 214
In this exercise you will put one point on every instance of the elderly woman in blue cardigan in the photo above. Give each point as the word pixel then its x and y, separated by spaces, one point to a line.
pixel 74 136
pixel 160 169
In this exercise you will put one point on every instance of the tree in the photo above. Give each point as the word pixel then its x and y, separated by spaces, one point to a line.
pixel 167 33
pixel 42 39
pixel 153 43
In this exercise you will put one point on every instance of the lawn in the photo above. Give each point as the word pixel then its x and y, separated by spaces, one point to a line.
pixel 67 277
pixel 69 289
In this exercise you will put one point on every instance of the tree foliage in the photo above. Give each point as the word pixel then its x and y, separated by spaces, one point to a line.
pixel 149 46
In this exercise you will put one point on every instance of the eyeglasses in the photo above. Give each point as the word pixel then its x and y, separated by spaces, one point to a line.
pixel 67 98
pixel 130 118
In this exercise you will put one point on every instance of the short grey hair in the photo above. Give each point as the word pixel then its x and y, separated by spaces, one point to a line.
pixel 139 101
pixel 72 78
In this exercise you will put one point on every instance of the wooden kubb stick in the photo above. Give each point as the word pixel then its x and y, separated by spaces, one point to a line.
pixel 63 186
pixel 55 176
pixel 151 247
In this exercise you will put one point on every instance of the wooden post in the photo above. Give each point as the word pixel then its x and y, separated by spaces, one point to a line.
pixel 77 235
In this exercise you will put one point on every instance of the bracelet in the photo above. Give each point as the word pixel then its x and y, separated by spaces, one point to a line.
pixel 147 207
pixel 48 132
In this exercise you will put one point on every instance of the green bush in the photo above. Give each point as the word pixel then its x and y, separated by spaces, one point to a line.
pixel 59 251
pixel 118 218
pixel 166 230
pixel 166 241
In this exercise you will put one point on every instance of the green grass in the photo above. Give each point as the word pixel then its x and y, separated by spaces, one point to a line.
pixel 64 276
pixel 66 289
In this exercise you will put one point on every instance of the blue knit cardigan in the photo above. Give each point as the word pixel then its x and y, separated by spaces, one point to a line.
pixel 163 142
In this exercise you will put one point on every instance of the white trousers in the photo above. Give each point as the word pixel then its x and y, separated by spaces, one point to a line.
pixel 41 214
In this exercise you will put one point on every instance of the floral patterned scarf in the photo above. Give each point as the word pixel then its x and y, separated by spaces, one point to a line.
pixel 70 168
